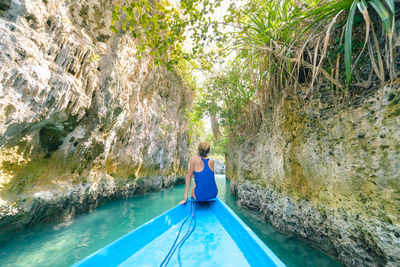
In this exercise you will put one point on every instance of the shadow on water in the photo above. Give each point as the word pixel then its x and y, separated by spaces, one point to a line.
pixel 63 244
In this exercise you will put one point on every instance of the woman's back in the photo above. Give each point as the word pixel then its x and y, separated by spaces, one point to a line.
pixel 204 177
pixel 203 170
pixel 199 163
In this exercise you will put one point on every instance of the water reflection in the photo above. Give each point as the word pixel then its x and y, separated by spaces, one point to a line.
pixel 65 243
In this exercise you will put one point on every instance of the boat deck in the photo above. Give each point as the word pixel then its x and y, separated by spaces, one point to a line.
pixel 209 245
pixel 219 239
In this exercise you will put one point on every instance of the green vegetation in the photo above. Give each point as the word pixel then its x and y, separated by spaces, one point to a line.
pixel 218 147
pixel 161 27
pixel 267 50
pixel 225 95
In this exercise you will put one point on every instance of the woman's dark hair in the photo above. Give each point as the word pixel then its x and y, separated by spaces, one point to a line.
pixel 204 149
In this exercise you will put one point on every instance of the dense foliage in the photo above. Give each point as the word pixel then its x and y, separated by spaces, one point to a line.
pixel 271 48
pixel 162 27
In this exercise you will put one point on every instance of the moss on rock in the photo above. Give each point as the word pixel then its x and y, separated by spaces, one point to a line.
pixel 342 162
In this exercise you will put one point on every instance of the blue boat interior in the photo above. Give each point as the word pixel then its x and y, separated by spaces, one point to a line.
pixel 220 238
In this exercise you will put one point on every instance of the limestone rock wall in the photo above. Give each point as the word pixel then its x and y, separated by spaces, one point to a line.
pixel 332 177
pixel 81 117
pixel 219 167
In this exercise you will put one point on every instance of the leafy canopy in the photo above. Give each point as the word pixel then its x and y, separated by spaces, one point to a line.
pixel 162 28
pixel 269 39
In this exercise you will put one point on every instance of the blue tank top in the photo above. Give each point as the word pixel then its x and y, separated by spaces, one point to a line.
pixel 206 188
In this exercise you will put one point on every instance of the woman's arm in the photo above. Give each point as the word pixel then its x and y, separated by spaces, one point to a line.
pixel 188 180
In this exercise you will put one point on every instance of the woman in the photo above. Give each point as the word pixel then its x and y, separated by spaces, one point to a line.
pixel 203 169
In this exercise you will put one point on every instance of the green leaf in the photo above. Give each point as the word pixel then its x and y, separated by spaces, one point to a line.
pixel 123 26
pixel 383 14
pixel 390 3
pixel 348 39
pixel 114 29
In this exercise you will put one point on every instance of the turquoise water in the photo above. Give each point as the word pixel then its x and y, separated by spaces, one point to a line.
pixel 65 243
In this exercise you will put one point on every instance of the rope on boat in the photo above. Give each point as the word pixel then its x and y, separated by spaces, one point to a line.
pixel 188 233
pixel 190 230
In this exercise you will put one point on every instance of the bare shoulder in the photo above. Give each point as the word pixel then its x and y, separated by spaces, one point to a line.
pixel 194 158
pixel 211 164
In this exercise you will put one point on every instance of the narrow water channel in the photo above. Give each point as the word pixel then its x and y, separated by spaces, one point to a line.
pixel 65 243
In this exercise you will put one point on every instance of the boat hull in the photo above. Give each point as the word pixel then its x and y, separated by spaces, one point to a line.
pixel 220 238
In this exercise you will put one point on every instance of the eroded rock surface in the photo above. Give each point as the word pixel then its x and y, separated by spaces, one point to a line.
pixel 333 178
pixel 219 167
pixel 82 119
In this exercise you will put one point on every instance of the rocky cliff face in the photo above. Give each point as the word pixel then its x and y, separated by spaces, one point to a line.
pixel 82 119
pixel 328 176
pixel 219 167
